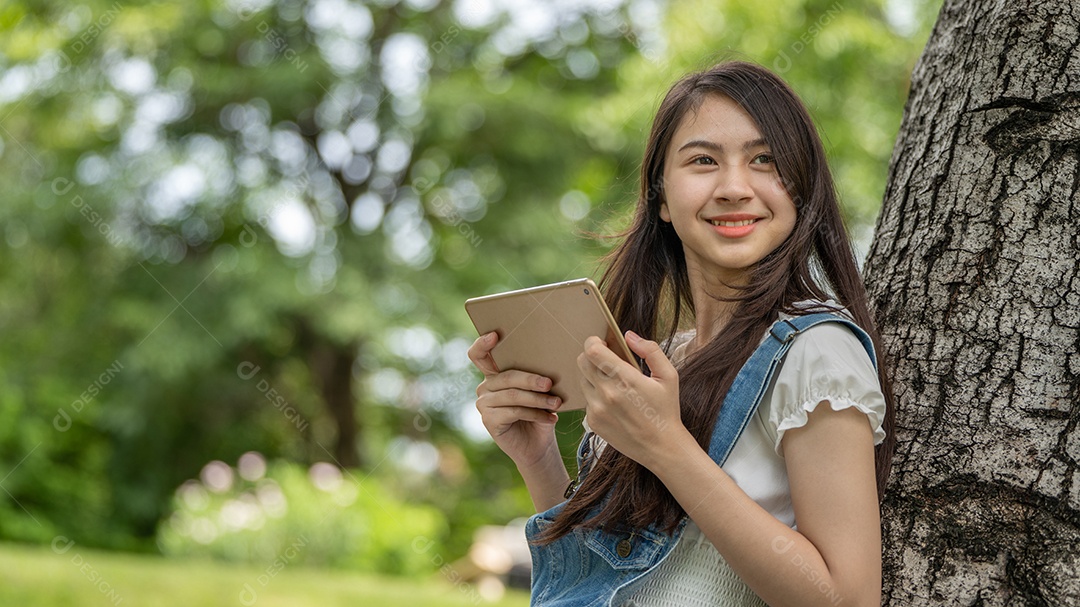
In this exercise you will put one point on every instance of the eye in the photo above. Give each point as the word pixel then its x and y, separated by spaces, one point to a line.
pixel 703 160
pixel 764 158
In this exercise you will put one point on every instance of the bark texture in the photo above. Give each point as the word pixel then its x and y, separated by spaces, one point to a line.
pixel 974 277
pixel 331 365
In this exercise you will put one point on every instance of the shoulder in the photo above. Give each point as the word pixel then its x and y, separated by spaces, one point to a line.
pixel 826 363
pixel 814 306
pixel 827 339
pixel 828 357
pixel 828 343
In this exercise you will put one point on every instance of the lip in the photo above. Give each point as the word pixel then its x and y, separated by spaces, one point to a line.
pixel 729 231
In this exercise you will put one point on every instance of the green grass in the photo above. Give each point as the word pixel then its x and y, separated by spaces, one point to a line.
pixel 37 576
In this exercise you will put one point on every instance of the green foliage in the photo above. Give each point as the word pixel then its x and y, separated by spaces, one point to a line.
pixel 246 225
pixel 158 156
pixel 307 517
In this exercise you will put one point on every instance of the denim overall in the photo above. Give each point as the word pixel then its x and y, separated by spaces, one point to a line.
pixel 598 567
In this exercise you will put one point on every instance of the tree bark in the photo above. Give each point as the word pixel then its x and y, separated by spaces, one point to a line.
pixel 331 366
pixel 974 277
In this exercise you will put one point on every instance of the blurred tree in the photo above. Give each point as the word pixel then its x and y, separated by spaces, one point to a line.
pixel 251 224
pixel 239 211
pixel 974 277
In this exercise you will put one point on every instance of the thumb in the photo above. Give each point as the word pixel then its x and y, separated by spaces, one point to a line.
pixel 659 365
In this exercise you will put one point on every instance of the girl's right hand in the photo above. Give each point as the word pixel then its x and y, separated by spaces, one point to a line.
pixel 515 407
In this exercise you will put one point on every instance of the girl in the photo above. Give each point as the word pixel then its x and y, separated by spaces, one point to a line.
pixel 741 469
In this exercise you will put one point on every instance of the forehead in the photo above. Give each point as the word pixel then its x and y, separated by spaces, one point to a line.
pixel 718 119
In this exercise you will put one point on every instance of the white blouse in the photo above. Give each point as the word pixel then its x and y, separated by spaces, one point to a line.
pixel 826 363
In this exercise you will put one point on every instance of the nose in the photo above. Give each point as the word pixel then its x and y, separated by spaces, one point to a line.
pixel 733 184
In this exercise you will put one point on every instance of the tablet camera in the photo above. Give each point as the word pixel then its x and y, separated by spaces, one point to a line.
pixel 586 291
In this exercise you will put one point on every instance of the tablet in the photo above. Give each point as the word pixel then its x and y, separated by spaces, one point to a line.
pixel 543 329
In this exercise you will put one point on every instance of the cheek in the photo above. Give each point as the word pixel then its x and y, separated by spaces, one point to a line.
pixel 685 193
pixel 780 187
pixel 781 202
pixel 790 226
pixel 789 216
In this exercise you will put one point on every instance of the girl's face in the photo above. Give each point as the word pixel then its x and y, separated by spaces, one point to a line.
pixel 723 194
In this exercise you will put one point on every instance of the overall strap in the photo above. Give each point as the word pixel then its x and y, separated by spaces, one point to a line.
pixel 753 380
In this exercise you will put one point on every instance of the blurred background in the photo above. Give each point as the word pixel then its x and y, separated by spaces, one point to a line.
pixel 235 241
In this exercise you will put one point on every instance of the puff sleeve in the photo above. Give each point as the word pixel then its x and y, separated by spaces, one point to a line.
pixel 826 363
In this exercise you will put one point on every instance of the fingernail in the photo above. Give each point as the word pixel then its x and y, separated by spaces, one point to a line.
pixel 490 337
pixel 630 335
pixel 543 383
pixel 553 401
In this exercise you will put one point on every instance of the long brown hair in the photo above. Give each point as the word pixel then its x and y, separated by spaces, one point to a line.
pixel 647 287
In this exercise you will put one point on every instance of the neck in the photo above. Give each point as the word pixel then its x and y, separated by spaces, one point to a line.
pixel 711 314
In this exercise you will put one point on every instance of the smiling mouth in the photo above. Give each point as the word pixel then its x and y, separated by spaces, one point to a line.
pixel 732 224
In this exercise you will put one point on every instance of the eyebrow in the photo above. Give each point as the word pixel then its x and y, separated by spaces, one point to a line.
pixel 715 147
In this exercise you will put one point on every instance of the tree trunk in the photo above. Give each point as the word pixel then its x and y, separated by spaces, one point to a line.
pixel 974 277
pixel 331 366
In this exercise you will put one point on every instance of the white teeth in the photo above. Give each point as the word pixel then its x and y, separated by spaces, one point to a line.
pixel 731 224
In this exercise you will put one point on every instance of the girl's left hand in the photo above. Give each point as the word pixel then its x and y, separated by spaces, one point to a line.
pixel 636 414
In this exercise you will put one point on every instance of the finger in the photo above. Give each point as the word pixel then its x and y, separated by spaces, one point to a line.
pixel 588 378
pixel 605 362
pixel 480 353
pixel 589 373
pixel 659 365
pixel 501 419
pixel 517 379
pixel 517 398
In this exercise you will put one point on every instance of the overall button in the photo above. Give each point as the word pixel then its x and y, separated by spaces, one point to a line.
pixel 623 548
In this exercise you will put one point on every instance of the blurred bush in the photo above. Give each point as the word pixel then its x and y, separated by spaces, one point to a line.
pixel 294 515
